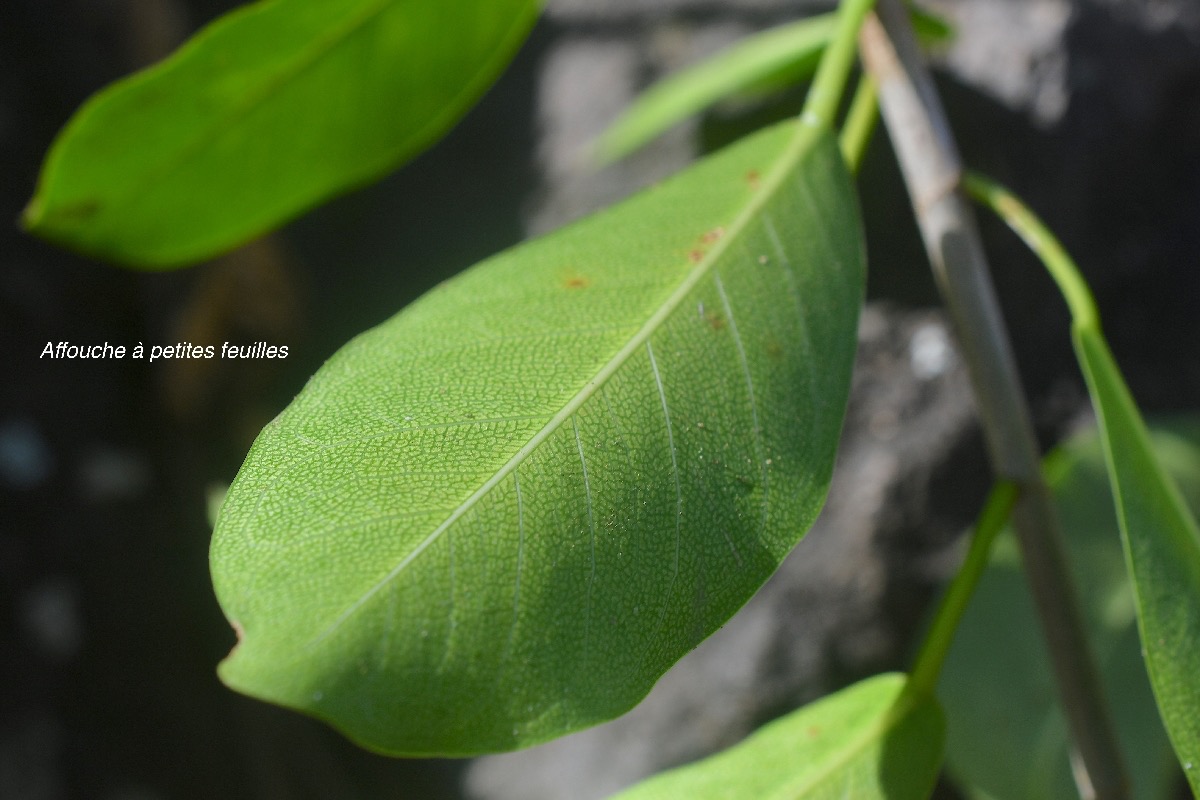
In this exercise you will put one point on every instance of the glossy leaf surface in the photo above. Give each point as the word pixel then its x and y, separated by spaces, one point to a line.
pixel 1162 551
pixel 503 514
pixel 263 114
pixel 1007 737
pixel 866 741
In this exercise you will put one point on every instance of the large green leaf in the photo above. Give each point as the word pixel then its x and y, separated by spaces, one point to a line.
pixel 262 115
pixel 503 514
pixel 1008 739
pixel 1162 550
pixel 871 740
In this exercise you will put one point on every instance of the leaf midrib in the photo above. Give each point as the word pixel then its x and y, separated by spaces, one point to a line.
pixel 803 140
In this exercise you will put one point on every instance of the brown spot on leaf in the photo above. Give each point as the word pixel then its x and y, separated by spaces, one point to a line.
pixel 714 320
pixel 712 236
pixel 696 256
pixel 774 348
pixel 576 282
pixel 753 178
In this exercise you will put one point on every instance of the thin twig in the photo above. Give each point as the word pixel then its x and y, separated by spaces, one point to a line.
pixel 932 170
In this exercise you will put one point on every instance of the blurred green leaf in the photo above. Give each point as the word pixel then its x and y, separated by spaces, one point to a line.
pixel 870 740
pixel 1162 551
pixel 792 50
pixel 265 113
pixel 765 62
pixel 1007 736
pixel 931 29
pixel 502 515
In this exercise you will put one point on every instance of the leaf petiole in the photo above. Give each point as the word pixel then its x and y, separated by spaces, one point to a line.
pixel 830 82
pixel 1042 242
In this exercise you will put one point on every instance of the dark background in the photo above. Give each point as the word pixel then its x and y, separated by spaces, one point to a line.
pixel 109 633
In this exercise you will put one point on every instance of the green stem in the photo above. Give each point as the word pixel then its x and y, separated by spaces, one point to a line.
pixel 1042 242
pixel 999 504
pixel 830 82
pixel 860 122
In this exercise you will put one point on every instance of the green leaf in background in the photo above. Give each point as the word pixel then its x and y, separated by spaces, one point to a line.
pixel 1007 736
pixel 503 514
pixel 792 50
pixel 265 113
pixel 771 60
pixel 1162 551
pixel 1160 536
pixel 870 740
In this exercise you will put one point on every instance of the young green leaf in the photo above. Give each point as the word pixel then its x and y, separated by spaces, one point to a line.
pixel 503 514
pixel 265 113
pixel 793 50
pixel 870 740
pixel 1160 536
pixel 1007 736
